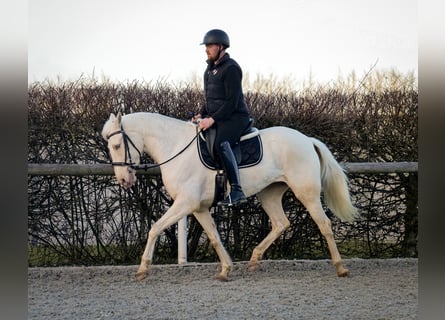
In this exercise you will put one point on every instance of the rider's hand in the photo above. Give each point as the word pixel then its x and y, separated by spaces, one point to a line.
pixel 206 123
pixel 195 119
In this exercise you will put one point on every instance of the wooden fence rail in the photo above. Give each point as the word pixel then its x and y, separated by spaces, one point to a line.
pixel 50 169
pixel 58 169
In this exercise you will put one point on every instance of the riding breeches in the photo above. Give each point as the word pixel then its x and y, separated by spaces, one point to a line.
pixel 230 130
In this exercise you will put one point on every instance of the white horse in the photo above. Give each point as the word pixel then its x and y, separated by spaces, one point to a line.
pixel 290 160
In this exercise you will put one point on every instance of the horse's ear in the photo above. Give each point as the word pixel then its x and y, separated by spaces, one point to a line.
pixel 113 117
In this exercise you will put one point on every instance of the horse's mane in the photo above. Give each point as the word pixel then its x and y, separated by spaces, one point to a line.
pixel 156 124
pixel 154 116
pixel 151 117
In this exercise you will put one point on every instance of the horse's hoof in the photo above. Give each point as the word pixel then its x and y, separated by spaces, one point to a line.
pixel 222 278
pixel 141 275
pixel 254 267
pixel 343 273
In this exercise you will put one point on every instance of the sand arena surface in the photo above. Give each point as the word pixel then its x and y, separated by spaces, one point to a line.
pixel 284 289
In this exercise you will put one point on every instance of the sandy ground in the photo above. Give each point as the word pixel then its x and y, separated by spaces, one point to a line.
pixel 291 289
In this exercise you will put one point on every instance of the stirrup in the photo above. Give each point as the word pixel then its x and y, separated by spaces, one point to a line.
pixel 228 201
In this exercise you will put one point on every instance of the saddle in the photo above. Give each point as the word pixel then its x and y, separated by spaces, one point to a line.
pixel 248 151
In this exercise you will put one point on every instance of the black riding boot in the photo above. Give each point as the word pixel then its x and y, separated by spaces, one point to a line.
pixel 236 195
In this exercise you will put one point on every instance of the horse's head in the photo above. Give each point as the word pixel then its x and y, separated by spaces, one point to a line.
pixel 123 152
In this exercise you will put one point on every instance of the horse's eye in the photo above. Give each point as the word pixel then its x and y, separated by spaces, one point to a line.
pixel 116 146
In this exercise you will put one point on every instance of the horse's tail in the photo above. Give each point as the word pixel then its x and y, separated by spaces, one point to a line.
pixel 334 184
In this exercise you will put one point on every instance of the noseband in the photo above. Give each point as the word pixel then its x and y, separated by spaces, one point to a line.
pixel 127 142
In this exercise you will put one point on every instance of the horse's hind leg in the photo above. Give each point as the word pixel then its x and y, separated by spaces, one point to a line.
pixel 324 224
pixel 270 199
pixel 208 224
pixel 311 200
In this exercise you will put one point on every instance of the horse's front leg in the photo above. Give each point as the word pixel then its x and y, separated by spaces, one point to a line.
pixel 173 215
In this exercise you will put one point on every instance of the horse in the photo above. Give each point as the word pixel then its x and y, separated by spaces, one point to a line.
pixel 291 160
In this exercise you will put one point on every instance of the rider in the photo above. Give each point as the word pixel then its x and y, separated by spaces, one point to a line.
pixel 225 108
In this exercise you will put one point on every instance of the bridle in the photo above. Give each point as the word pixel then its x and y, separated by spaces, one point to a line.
pixel 127 141
pixel 130 163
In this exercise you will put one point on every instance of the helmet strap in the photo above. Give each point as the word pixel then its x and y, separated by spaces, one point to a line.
pixel 219 52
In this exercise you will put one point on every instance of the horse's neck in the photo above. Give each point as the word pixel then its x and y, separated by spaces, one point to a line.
pixel 162 136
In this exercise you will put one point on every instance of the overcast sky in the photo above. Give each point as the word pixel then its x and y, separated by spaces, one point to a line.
pixel 153 39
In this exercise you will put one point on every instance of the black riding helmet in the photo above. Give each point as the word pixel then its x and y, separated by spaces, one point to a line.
pixel 216 36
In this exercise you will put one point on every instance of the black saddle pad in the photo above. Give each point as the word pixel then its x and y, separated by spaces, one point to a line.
pixel 248 152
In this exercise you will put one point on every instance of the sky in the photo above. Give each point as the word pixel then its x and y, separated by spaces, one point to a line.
pixel 151 40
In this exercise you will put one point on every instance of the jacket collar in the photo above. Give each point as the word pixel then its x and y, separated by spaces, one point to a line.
pixel 211 64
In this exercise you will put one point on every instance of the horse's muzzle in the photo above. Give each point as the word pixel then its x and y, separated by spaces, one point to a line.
pixel 126 179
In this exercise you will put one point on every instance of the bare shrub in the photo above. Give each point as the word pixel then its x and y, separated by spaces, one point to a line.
pixel 90 220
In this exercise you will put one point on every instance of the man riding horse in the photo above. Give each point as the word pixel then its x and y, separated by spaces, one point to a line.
pixel 225 109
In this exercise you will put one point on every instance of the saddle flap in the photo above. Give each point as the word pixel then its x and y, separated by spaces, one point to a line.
pixel 248 153
pixel 210 135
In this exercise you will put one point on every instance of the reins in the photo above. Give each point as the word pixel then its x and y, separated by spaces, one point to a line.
pixel 131 164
